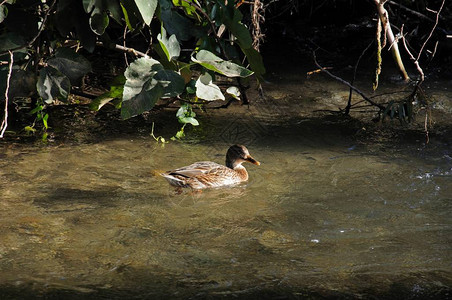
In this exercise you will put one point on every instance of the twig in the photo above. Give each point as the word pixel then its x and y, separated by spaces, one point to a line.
pixel 417 87
pixel 124 45
pixel 433 29
pixel 125 49
pixel 44 20
pixel 347 84
pixel 349 103
pixel 8 79
pixel 415 61
pixel 418 14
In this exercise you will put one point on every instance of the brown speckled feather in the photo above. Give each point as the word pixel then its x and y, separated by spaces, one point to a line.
pixel 205 174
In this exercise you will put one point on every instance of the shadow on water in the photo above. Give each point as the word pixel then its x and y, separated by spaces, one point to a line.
pixel 168 287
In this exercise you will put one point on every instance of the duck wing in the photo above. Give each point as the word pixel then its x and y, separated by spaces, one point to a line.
pixel 197 169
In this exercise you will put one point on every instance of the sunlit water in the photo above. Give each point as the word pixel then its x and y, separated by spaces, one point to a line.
pixel 330 212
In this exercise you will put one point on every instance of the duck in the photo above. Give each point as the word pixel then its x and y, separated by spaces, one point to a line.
pixel 206 174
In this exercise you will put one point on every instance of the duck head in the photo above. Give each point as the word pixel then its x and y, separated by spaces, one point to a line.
pixel 238 154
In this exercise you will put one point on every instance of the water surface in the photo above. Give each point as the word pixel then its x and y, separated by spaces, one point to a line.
pixel 333 211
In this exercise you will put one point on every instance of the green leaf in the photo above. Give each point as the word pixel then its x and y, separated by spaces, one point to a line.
pixel 131 14
pixel 141 90
pixel 206 90
pixel 137 74
pixel 36 109
pixel 234 92
pixel 88 5
pixel 186 115
pixel 189 10
pixel 236 27
pixel 175 23
pixel 143 101
pixel 180 134
pixel 170 45
pixel 255 60
pixel 52 84
pixel 191 87
pixel 115 92
pixel 212 62
pixel 146 82
pixel 114 10
pixel 99 21
pixel 97 9
pixel 173 84
pixel 44 121
pixel 70 63
pixel 3 12
pixel 190 120
pixel 29 129
pixel 147 9
pixel 101 100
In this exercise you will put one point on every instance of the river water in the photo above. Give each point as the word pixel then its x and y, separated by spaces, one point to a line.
pixel 332 211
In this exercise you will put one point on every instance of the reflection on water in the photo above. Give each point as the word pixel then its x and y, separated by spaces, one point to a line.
pixel 322 216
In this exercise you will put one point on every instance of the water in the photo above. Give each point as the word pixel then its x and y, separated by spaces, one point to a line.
pixel 334 210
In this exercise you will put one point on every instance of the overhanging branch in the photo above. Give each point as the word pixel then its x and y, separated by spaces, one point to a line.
pixel 381 107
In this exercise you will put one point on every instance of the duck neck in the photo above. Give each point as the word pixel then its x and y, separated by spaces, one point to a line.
pixel 233 164
pixel 241 171
pixel 229 164
pixel 238 168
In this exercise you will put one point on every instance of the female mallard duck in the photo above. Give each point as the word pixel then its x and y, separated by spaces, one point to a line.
pixel 206 174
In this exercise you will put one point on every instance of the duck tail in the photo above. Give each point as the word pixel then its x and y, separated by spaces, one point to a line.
pixel 158 173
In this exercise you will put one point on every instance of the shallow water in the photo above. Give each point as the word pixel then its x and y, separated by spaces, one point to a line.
pixel 325 215
pixel 336 209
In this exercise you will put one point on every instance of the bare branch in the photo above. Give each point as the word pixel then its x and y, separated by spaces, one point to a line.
pixel 346 83
pixel 415 61
pixel 124 45
pixel 416 13
pixel 349 103
pixel 431 32
pixel 8 79
pixel 125 49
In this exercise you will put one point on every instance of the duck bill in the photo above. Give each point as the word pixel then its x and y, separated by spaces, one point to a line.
pixel 252 160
